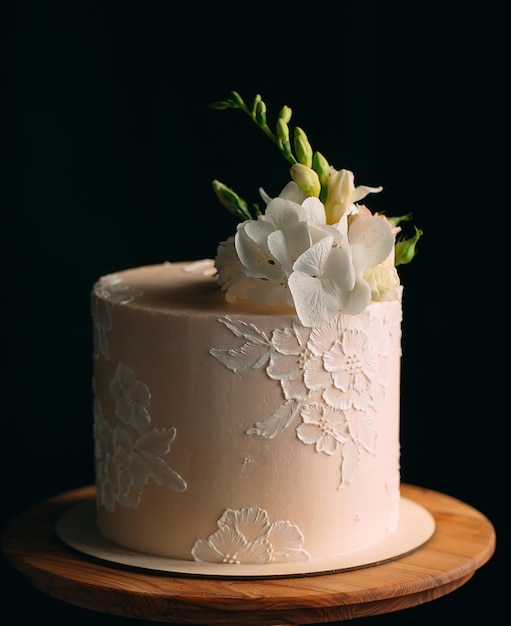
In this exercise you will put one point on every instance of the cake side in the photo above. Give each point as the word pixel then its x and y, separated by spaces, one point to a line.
pixel 231 431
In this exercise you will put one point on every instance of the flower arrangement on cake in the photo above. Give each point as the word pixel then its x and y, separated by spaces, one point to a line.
pixel 314 247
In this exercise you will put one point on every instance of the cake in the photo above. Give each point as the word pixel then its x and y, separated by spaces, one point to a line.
pixel 246 408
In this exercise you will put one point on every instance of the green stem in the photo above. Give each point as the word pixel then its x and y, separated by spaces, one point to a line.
pixel 285 147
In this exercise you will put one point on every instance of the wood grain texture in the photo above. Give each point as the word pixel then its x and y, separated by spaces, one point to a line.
pixel 464 541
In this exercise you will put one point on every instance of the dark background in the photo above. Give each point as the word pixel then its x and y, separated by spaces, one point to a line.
pixel 108 147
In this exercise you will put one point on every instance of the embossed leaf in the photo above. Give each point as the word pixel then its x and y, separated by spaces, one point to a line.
pixel 350 461
pixel 247 331
pixel 290 341
pixel 151 446
pixel 362 430
pixel 248 356
pixel 137 475
pixel 164 475
pixel 251 355
pixel 277 422
pixel 156 441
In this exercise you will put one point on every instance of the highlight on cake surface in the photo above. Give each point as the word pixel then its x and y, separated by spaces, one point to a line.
pixel 314 246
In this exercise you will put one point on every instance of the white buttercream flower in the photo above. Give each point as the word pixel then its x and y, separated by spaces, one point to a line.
pixel 132 398
pixel 352 364
pixel 246 536
pixel 288 359
pixel 324 427
pixel 124 463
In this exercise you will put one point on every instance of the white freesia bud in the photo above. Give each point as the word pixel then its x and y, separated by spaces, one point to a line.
pixel 306 178
pixel 342 194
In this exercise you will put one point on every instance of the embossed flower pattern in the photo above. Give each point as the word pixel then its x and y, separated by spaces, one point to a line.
pixel 131 452
pixel 247 536
pixel 131 397
pixel 322 426
pixel 332 378
pixel 109 290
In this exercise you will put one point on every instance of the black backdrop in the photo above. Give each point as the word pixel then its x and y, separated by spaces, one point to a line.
pixel 108 150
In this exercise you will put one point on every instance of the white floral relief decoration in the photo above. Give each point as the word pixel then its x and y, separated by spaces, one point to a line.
pixel 130 453
pixel 332 378
pixel 109 290
pixel 247 536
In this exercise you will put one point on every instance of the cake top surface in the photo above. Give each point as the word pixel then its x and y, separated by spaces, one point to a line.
pixel 183 286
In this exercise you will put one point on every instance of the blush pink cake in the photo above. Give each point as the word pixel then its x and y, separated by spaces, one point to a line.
pixel 247 408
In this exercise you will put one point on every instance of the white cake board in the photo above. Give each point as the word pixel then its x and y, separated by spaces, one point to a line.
pixel 78 529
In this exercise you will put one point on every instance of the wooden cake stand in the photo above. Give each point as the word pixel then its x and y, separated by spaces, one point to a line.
pixel 463 541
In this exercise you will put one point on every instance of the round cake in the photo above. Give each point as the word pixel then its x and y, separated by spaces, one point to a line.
pixel 231 432
pixel 246 408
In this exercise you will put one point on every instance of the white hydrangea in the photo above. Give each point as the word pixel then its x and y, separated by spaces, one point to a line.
pixel 290 254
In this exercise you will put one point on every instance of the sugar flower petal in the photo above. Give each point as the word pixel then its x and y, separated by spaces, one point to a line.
pixel 315 295
pixel 286 246
pixel 376 237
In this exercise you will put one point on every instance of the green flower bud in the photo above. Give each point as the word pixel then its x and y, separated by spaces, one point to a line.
pixel 260 113
pixel 303 148
pixel 405 248
pixel 255 104
pixel 306 178
pixel 231 201
pixel 321 167
pixel 285 114
pixel 237 99
pixel 282 130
